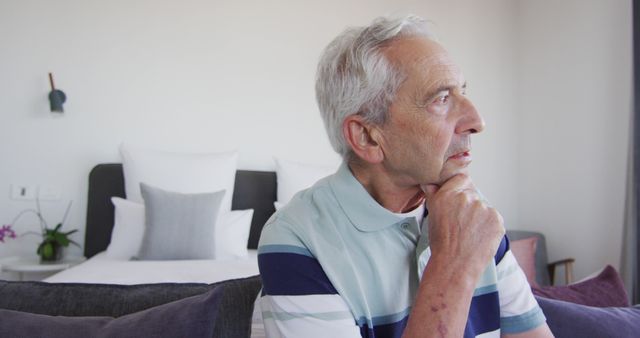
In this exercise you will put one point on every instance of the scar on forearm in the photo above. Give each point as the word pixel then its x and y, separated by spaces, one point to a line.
pixel 436 309
pixel 442 306
pixel 442 329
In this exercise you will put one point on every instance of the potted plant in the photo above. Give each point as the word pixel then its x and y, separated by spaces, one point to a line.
pixel 53 239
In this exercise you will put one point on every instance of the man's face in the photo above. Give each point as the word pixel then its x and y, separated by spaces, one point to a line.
pixel 426 137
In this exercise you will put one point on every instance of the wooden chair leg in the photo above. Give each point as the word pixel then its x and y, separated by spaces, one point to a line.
pixel 568 270
pixel 568 273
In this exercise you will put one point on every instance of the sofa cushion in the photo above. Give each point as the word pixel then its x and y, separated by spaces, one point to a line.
pixel 79 299
pixel 605 289
pixel 571 320
pixel 542 274
pixel 193 316
pixel 524 250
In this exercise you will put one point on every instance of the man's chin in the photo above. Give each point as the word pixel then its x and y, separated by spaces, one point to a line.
pixel 448 174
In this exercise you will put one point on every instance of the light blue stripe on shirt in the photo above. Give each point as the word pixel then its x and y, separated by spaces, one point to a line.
pixel 524 322
pixel 279 248
pixel 483 290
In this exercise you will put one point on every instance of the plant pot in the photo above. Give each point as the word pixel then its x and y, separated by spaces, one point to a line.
pixel 50 252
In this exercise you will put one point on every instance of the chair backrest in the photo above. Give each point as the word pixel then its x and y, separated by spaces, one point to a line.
pixel 542 272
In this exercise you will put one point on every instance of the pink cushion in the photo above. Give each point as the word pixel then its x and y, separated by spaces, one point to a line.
pixel 525 252
pixel 603 290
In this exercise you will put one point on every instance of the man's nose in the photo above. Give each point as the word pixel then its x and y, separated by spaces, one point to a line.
pixel 470 121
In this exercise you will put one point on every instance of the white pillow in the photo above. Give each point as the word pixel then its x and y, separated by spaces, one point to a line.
pixel 178 172
pixel 231 234
pixel 293 177
pixel 128 229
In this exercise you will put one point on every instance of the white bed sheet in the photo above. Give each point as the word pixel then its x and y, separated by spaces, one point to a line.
pixel 105 270
pixel 102 269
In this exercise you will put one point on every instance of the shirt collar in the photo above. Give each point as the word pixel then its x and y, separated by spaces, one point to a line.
pixel 363 211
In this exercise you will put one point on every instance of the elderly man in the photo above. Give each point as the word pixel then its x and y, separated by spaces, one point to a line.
pixel 348 257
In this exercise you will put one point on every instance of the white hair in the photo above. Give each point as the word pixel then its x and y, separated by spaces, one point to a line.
pixel 354 76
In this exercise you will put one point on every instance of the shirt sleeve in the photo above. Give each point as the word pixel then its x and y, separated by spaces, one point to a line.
pixel 298 300
pixel 519 310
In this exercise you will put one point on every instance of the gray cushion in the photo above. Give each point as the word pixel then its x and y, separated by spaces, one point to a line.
pixel 178 226
pixel 189 317
pixel 80 299
pixel 573 320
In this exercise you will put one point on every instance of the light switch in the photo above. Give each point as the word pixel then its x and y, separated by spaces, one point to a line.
pixel 23 192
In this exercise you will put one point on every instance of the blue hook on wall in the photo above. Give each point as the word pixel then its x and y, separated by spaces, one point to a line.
pixel 56 97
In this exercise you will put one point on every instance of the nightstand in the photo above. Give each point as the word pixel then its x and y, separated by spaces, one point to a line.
pixel 32 265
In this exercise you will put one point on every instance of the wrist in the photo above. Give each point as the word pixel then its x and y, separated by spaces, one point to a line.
pixel 459 272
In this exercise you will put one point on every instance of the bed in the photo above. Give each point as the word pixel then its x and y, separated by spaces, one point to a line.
pixel 253 190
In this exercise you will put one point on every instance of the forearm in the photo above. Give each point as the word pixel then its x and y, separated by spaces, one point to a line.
pixel 442 303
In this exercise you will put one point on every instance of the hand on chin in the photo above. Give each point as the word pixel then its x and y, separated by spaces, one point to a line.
pixel 448 172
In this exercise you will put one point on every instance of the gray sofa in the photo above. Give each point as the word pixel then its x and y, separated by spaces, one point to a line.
pixel 234 306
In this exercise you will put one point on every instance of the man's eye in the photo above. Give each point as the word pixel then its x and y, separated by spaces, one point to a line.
pixel 442 99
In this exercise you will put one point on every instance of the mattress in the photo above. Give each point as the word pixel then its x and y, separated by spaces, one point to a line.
pixel 104 270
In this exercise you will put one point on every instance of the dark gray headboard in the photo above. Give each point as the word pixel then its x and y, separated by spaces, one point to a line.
pixel 253 190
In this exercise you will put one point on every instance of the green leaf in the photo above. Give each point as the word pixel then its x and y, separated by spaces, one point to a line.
pixel 49 236
pixel 57 227
pixel 62 239
pixel 70 232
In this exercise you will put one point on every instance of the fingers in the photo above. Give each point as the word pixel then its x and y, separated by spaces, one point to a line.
pixel 460 182
pixel 457 183
pixel 429 190
pixel 462 224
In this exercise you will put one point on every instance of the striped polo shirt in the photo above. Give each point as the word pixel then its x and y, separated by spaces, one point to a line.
pixel 334 263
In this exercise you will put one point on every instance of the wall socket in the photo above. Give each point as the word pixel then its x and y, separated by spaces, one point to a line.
pixel 48 193
pixel 23 192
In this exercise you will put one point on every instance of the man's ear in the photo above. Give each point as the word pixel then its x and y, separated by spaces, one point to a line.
pixel 362 139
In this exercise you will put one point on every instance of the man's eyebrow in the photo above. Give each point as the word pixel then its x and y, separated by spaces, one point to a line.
pixel 443 87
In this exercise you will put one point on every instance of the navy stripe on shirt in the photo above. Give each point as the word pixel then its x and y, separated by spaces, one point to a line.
pixel 502 249
pixel 483 316
pixel 481 319
pixel 391 330
pixel 290 274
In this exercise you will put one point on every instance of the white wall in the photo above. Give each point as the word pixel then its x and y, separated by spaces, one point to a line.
pixel 574 102
pixel 206 76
